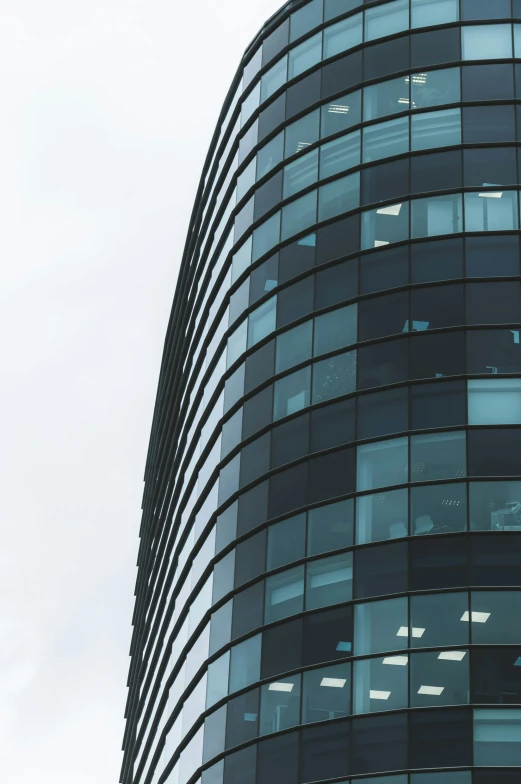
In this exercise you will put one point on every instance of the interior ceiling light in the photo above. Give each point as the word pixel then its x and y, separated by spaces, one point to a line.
pixel 417 632
pixel 491 195
pixel 379 243
pixel 337 108
pixel 394 209
pixel 344 646
pixel 452 655
pixel 404 100
pixel 434 691
pixel 397 661
pixel 333 683
pixel 420 78
pixel 379 695
pixel 302 146
pixel 477 617
pixel 280 687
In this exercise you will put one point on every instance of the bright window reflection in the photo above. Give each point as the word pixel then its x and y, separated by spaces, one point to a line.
pixel 487 42
pixel 494 401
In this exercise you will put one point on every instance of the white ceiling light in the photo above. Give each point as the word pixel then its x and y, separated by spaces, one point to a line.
pixel 280 687
pixel 394 209
pixel 452 655
pixel 417 632
pixel 491 195
pixel 337 108
pixel 397 661
pixel 333 683
pixel 433 691
pixel 379 695
pixel 379 243
pixel 477 617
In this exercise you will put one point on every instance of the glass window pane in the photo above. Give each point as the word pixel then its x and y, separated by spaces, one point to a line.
pixel 495 402
pixel 439 678
pixel 385 225
pixel 300 174
pixel 383 413
pixel 335 329
pixel 280 705
pixel 292 393
pixel 440 738
pixel 245 663
pixel 274 78
pixel 305 19
pixel 381 570
pixel 438 456
pixel 261 322
pixel 341 114
pixel 496 675
pixel 299 215
pixel 330 527
pixel 340 155
pixel 435 129
pixel 497 737
pixel 491 211
pixel 286 542
pixel 433 12
pixel 436 620
pixel 486 42
pixel 266 236
pixel 381 626
pixel 482 9
pixel 284 594
pixel 305 56
pixel 270 155
pixel 294 346
pixel 334 377
pixel 386 19
pixel 327 693
pixel 329 581
pixel 436 215
pixel 339 196
pixel 495 506
pixel 438 509
pixel 382 464
pixel 334 8
pixel 496 351
pixel 435 88
pixel 342 36
pixel 389 97
pixel 495 617
pixel 379 743
pixel 380 684
pixel 386 139
pixel 302 133
pixel 382 516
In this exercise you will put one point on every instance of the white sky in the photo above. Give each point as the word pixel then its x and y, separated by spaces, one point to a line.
pixel 108 108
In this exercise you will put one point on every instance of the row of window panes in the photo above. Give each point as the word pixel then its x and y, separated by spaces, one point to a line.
pixel 445 738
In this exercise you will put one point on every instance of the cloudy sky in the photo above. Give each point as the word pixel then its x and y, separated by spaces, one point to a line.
pixel 108 107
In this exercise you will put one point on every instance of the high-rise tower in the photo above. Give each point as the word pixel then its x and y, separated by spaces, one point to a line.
pixel 329 580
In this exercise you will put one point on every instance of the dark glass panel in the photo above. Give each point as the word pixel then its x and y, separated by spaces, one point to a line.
pixel 383 413
pixel 259 366
pixel 496 676
pixel 434 356
pixel 275 42
pixel 333 425
pixel 385 269
pixel 303 94
pixel 490 82
pixel 342 74
pixel 267 196
pixel 242 721
pixel 379 743
pixel 330 527
pixel 248 610
pixel 496 776
pixel 435 47
pixel 255 459
pixel 338 239
pixel 438 509
pixel 484 9
pixel 493 303
pixel 295 301
pixel 440 738
pixel 382 316
pixel 384 363
pixel 492 256
pixel 253 508
pixel 336 284
pixel 488 124
pixel 440 260
pixel 437 307
pixel 263 279
pixel 290 441
pixel 495 560
pixel 385 181
pixel 438 563
pixel 281 648
pixel 297 257
pixel 436 172
pixel 241 766
pixel 277 760
pixel 250 559
pixel 386 58
pixel 438 405
pixel 324 752
pixel 380 570
pixel 286 541
pixel 257 412
pixel 494 452
pixel 490 166
pixel 288 490
pixel 493 351
pixel 331 475
pixel 328 636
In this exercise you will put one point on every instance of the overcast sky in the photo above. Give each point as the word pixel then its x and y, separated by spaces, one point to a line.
pixel 108 107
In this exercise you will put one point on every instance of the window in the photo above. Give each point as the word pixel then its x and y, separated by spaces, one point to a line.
pixel 274 78
pixel 300 174
pixel 433 12
pixel 493 303
pixel 438 405
pixel 299 215
pixel 381 570
pixel 436 215
pixel 440 738
pixel 305 56
pixel 382 464
pixel 380 684
pixel 494 506
pixel 294 346
pixel 433 261
pixel 270 155
pixel 342 36
pixel 323 752
pixel 389 97
pixel 439 679
pixel 292 393
pixel 486 166
pixel 284 594
pixel 379 742
pixel 435 129
pixel 484 124
pixel 438 509
pixel 339 196
pixel 436 620
pixel 305 19
pixel 335 329
pixel 381 316
pixel 266 236
pixel 330 527
pixel 492 256
pixel 261 321
pixel 438 456
pixel 302 133
pixel 280 705
pixel 435 47
pixel 286 542
pixel 385 182
pixel 245 663
pixel 334 8
pixel 387 19
pixel 497 737
pixel 496 675
pixel 385 225
pixel 383 413
pixel 326 694
pixel 382 516
pixel 435 88
pixel 329 581
pixel 339 155
pixel 494 402
pixel 242 718
pixel 495 617
pixel 491 211
pixel 481 9
pixel 487 42
pixel 494 351
pixel 334 377
pixel 386 139
pixel 281 648
pixel 381 626
pixel 341 114
pixel 383 363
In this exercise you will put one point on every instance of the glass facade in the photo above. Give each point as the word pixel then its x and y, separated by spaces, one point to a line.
pixel 329 574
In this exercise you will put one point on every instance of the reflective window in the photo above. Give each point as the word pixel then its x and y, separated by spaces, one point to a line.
pixel 494 506
pixel 324 751
pixel 334 377
pixel 436 129
pixel 386 139
pixel 381 626
pixel 386 19
pixel 432 261
pixel 284 594
pixel 486 124
pixel 266 236
pixel 383 413
pixel 382 464
pixel 261 322
pixel 439 678
pixel 433 12
pixel 286 542
pixel 335 329
pixel 382 516
pixel 494 402
pixel 389 97
pixel 280 705
pixel 326 693
pixel 438 456
pixel 492 256
pixel 385 225
pixel 497 737
pixel 242 718
pixel 340 154
pixel 292 393
pixel 270 155
pixel 487 42
pixel 438 405
pixel 329 581
pixel 383 316
pixel 341 114
pixel 481 9
pixel 301 173
pixel 302 133
pixel 491 211
pixel 245 663
pixel 383 363
pixel 294 346
pixel 494 351
pixel 342 36
pixel 381 570
pixel 435 88
pixel 438 509
pixel 496 675
pixel 435 47
pixel 299 215
pixel 379 743
pixel 305 19
pixel 495 617
pixel 380 684
pixel 339 196
pixel 334 8
pixel 436 620
pixel 274 78
pixel 330 527
pixel 436 215
pixel 441 738
pixel 263 279
pixel 305 56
